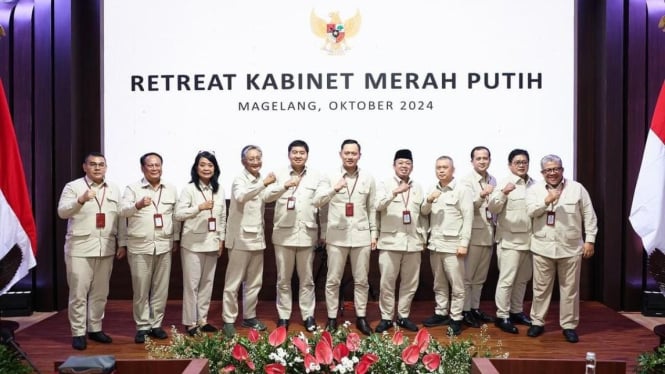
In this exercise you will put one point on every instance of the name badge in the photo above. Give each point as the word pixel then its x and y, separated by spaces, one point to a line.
pixel 488 214
pixel 550 218
pixel 349 209
pixel 100 220
pixel 291 203
pixel 212 224
pixel 157 219
pixel 406 217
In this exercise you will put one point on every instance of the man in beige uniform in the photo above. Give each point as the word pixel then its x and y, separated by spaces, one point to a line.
pixel 513 231
pixel 564 232
pixel 90 205
pixel 481 184
pixel 295 232
pixel 402 238
pixel 152 234
pixel 352 232
pixel 245 241
pixel 450 207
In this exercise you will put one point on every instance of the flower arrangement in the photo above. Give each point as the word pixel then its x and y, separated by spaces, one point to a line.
pixel 342 351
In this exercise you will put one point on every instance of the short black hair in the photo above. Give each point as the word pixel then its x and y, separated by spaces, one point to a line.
pixel 517 152
pixel 214 181
pixel 480 148
pixel 298 143
pixel 142 159
pixel 93 154
pixel 350 141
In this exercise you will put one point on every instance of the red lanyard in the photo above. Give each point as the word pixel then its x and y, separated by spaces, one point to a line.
pixel 103 194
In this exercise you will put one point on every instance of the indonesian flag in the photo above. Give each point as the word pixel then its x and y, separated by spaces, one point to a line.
pixel 647 214
pixel 18 235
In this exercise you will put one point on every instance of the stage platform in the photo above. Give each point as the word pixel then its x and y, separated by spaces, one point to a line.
pixel 602 330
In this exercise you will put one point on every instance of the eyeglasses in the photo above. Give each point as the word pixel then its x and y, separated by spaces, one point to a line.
pixel 521 162
pixel 204 151
pixel 97 165
pixel 552 170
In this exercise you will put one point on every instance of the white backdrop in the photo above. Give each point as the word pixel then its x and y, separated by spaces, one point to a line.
pixel 212 40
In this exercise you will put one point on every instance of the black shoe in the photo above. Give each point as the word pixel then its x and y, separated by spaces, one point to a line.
pixel 520 318
pixel 139 338
pixel 571 336
pixel 454 327
pixel 384 325
pixel 407 324
pixel 79 343
pixel 193 331
pixel 469 320
pixel 158 333
pixel 209 328
pixel 310 324
pixel 100 337
pixel 254 323
pixel 480 316
pixel 363 326
pixel 436 320
pixel 283 322
pixel 535 331
pixel 505 325
pixel 331 325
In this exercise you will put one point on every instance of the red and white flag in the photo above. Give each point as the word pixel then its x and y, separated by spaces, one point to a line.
pixel 647 215
pixel 17 224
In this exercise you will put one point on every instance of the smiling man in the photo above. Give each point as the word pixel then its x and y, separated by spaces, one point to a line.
pixel 152 236
pixel 513 233
pixel 296 232
pixel 352 232
pixel 564 232
pixel 94 236
pixel 245 241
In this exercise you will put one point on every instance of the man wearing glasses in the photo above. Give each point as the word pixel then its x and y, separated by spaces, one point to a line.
pixel 152 235
pixel 564 232
pixel 513 232
pixel 90 205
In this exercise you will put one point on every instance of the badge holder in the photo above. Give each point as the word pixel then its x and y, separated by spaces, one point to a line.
pixel 158 220
pixel 349 209
pixel 100 220
pixel 406 217
pixel 291 203
pixel 550 218
pixel 212 224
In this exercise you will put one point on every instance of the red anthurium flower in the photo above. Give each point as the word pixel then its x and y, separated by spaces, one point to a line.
pixel 240 353
pixel 323 352
pixel 411 354
pixel 253 335
pixel 398 337
pixel 229 369
pixel 363 367
pixel 327 338
pixel 250 365
pixel 310 361
pixel 432 361
pixel 275 369
pixel 300 344
pixel 278 336
pixel 340 351
pixel 422 340
pixel 370 357
pixel 353 342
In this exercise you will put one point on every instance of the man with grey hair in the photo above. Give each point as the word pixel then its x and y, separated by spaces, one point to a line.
pixel 564 231
pixel 245 241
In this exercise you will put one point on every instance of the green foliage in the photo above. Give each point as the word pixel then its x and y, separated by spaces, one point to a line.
pixel 10 362
pixel 379 353
pixel 651 362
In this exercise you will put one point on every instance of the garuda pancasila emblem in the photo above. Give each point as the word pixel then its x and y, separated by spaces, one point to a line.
pixel 335 32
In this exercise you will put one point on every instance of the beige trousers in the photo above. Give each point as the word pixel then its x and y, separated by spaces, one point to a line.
pixel 88 280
